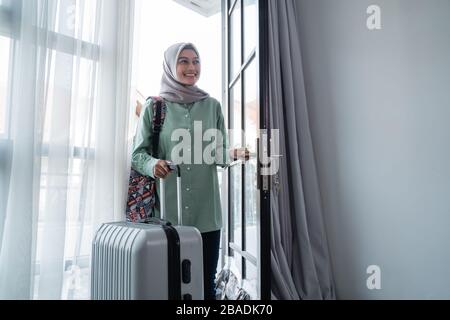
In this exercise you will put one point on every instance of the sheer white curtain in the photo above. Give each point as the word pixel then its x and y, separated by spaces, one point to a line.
pixel 66 142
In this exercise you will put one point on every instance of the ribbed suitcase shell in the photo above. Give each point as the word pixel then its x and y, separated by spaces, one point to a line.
pixel 129 261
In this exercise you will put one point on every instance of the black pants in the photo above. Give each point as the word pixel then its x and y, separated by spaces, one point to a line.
pixel 211 246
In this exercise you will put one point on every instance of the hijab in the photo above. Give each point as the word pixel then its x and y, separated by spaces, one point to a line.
pixel 172 89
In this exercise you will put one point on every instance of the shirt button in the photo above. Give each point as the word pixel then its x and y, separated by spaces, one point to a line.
pixel 187 189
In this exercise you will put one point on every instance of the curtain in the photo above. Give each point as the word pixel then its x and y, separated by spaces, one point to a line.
pixel 67 144
pixel 301 267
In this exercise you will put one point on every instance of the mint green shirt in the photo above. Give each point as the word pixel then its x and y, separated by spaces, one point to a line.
pixel 201 206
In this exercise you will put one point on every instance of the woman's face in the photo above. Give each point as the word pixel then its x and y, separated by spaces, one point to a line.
pixel 188 67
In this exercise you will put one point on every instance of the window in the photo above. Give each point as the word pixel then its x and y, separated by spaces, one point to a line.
pixel 5 48
pixel 69 77
pixel 6 44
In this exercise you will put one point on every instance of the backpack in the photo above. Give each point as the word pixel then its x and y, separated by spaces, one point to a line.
pixel 142 189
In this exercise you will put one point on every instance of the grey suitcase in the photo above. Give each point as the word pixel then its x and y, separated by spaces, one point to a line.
pixel 154 260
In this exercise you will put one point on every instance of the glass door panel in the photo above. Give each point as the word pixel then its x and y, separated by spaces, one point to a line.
pixel 247 249
pixel 250 27
pixel 251 125
pixel 235 40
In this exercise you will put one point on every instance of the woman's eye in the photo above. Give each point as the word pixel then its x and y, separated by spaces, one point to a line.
pixel 187 62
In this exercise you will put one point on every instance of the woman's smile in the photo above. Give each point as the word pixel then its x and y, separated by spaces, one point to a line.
pixel 188 67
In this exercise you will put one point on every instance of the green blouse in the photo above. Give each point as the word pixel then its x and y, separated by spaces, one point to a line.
pixel 201 206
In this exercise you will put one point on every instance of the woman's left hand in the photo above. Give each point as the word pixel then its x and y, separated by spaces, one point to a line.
pixel 240 154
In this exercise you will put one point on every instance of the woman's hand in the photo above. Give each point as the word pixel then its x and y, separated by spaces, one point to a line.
pixel 139 104
pixel 240 154
pixel 161 169
pixel 138 108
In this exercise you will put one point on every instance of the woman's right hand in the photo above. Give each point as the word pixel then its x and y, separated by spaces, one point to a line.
pixel 161 169
pixel 138 108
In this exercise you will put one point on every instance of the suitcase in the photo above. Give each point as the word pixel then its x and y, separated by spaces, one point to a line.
pixel 154 260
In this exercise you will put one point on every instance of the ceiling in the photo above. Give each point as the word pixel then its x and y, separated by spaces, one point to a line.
pixel 206 8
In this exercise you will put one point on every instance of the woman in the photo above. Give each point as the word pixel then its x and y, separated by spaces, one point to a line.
pixel 188 107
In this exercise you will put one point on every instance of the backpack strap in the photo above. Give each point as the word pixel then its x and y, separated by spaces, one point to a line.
pixel 159 114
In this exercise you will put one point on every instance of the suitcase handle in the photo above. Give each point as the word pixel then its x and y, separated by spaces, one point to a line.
pixel 162 201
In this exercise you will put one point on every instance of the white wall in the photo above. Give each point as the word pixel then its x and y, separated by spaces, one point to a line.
pixel 380 115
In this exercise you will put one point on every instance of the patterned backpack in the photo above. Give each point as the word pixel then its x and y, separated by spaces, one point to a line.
pixel 142 189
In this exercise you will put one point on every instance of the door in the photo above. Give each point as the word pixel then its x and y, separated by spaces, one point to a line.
pixel 248 225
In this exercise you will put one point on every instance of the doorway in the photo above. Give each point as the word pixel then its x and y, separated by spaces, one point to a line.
pixel 229 35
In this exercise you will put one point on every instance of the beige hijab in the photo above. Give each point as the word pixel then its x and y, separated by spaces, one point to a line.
pixel 172 89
